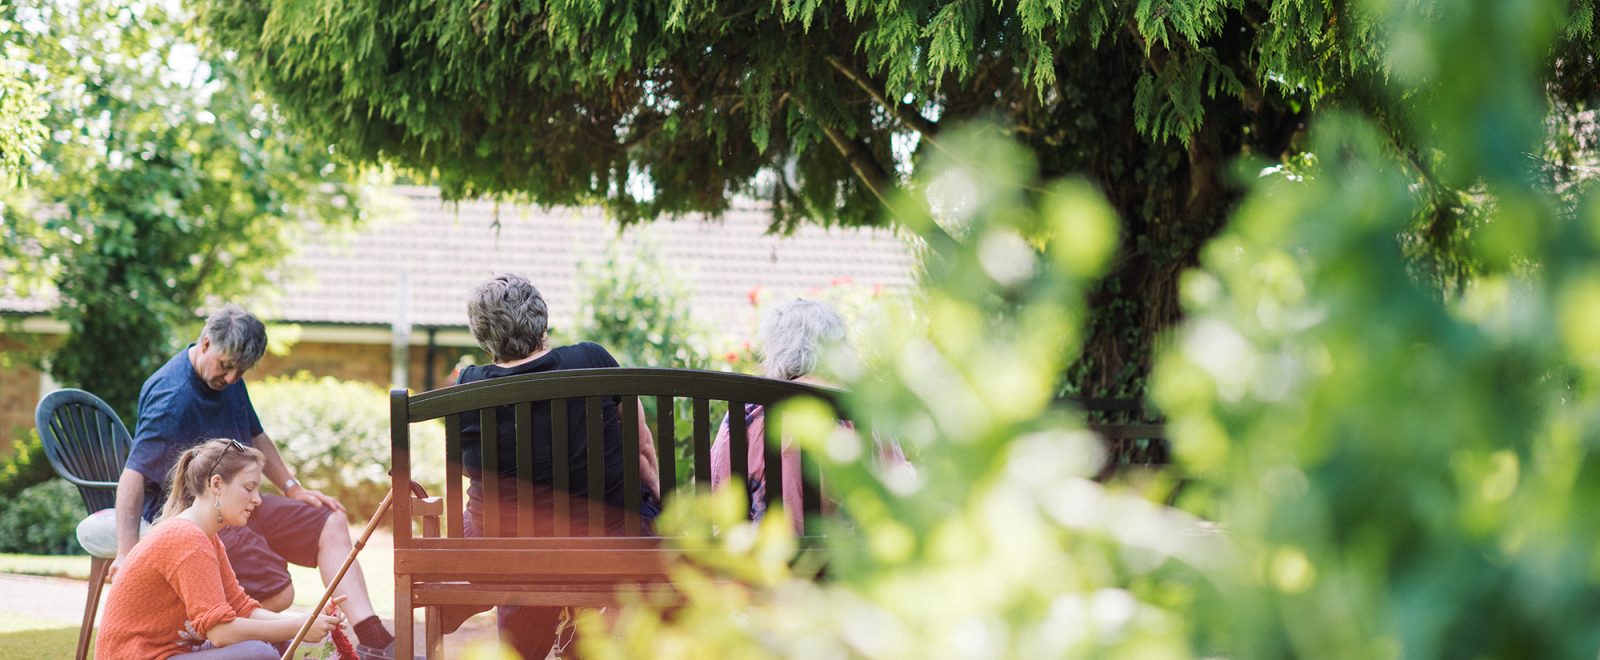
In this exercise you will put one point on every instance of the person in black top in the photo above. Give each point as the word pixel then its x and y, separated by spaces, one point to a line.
pixel 509 320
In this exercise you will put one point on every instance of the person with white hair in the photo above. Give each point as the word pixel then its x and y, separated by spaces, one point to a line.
pixel 795 339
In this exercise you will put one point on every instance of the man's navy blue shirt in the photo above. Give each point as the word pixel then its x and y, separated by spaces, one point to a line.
pixel 177 410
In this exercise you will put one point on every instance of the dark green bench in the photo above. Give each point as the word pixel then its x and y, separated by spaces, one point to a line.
pixel 1134 435
pixel 443 567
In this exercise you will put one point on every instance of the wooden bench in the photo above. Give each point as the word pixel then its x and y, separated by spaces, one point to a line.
pixel 444 567
pixel 1135 438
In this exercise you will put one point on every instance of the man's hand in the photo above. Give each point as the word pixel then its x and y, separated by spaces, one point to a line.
pixel 111 573
pixel 316 498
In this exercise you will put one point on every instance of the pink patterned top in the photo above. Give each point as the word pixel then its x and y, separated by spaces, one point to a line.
pixel 755 418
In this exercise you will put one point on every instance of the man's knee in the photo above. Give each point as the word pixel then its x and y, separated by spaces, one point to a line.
pixel 280 601
pixel 336 528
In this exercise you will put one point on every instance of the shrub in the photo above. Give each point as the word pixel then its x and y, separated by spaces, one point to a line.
pixel 334 436
pixel 636 306
pixel 25 467
pixel 42 520
pixel 638 309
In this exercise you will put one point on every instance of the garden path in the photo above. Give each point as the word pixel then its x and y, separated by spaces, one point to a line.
pixel 32 605
pixel 45 601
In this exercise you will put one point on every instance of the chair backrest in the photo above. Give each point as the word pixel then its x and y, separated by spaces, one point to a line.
pixel 527 393
pixel 86 443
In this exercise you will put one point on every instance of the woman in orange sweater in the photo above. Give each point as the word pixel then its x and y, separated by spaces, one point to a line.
pixel 176 594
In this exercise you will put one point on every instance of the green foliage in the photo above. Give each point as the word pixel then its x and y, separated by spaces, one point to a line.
pixel 634 305
pixel 42 520
pixel 1403 475
pixel 696 102
pixel 334 436
pixel 168 183
pixel 999 545
pixel 664 107
pixel 21 132
pixel 27 465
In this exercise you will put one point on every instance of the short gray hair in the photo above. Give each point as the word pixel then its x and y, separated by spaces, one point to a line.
pixel 794 336
pixel 508 317
pixel 236 334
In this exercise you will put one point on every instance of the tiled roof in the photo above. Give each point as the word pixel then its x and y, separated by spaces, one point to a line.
pixel 442 251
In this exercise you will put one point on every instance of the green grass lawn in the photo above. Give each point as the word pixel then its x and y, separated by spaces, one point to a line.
pixel 30 641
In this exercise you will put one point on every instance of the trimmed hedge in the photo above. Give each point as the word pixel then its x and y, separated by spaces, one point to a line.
pixel 43 520
pixel 334 436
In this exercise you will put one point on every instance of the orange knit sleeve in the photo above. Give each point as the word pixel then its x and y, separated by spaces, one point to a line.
pixel 195 576
pixel 240 601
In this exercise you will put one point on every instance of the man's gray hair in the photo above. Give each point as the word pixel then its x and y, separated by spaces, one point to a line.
pixel 794 336
pixel 508 317
pixel 236 334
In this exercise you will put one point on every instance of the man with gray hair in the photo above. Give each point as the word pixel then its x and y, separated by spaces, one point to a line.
pixel 198 395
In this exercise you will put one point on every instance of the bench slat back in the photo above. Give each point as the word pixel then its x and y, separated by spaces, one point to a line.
pixel 557 396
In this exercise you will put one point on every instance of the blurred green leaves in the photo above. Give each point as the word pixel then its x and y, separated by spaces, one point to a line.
pixel 997 544
pixel 21 131
pixel 1397 470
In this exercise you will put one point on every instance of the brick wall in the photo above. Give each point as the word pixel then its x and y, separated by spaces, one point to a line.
pixel 19 384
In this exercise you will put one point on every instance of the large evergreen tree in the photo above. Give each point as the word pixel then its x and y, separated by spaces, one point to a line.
pixel 661 107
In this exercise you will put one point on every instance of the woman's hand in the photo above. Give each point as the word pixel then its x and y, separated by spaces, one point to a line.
pixel 333 606
pixel 320 627
pixel 326 622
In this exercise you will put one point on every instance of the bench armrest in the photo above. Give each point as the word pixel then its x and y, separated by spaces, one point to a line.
pixel 429 509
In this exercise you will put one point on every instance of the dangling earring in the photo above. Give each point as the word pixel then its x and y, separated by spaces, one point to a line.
pixel 219 509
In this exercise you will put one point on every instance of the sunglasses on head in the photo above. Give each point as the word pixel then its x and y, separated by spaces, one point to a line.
pixel 232 444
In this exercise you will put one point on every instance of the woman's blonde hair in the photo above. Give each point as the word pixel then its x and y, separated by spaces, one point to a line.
pixel 221 457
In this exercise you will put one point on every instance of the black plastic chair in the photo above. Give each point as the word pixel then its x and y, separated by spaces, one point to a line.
pixel 87 444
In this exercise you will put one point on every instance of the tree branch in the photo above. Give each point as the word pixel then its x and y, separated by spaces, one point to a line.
pixel 907 116
pixel 860 160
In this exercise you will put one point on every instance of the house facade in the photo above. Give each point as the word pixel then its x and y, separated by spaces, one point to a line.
pixel 387 305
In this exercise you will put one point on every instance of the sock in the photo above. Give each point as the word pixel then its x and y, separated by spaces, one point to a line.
pixel 372 633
